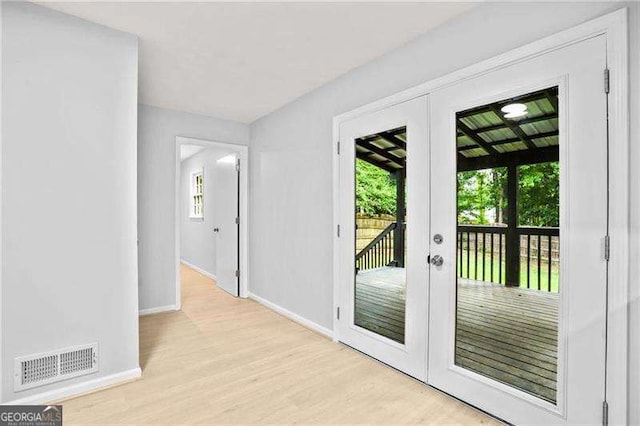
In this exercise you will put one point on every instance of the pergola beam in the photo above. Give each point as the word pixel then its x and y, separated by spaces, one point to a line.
pixel 541 155
pixel 476 138
pixel 393 139
pixel 501 126
pixel 381 152
pixel 514 127
pixel 512 140
pixel 552 96
pixel 384 165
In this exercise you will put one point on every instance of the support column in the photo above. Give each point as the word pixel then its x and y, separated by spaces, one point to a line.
pixel 398 236
pixel 512 238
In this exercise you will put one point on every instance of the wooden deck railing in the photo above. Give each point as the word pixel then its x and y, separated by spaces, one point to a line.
pixel 482 254
pixel 379 252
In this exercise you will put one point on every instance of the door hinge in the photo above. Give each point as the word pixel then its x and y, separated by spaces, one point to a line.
pixel 605 413
pixel 237 273
pixel 338 231
pixel 338 147
pixel 607 79
pixel 238 165
pixel 338 312
pixel 607 248
pixel 237 221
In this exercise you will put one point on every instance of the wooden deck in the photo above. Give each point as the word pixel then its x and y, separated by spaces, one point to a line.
pixel 507 334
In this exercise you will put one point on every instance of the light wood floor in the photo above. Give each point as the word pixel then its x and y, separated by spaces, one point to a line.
pixel 227 360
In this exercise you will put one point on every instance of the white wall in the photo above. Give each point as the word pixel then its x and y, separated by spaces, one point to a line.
pixel 157 131
pixel 69 111
pixel 197 239
pixel 291 152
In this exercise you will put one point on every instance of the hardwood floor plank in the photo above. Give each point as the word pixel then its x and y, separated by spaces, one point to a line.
pixel 224 360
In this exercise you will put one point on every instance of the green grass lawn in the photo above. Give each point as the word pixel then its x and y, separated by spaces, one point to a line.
pixel 533 271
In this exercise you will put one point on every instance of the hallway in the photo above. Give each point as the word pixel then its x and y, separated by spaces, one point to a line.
pixel 227 360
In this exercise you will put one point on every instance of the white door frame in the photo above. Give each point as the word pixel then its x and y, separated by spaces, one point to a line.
pixel 614 26
pixel 243 151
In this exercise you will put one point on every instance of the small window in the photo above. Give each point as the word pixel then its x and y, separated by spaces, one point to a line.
pixel 197 195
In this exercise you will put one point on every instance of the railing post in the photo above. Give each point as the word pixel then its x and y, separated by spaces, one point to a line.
pixel 512 237
pixel 398 235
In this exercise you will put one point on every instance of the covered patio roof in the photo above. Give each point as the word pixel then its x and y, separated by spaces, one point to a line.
pixel 485 138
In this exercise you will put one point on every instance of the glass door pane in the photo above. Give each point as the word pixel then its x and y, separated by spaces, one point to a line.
pixel 508 238
pixel 380 248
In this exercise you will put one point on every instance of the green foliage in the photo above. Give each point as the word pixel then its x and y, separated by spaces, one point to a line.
pixel 539 195
pixel 482 195
pixel 375 190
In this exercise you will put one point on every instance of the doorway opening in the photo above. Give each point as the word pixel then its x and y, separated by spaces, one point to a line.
pixel 211 191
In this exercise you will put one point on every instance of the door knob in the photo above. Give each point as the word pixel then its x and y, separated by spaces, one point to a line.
pixel 216 229
pixel 437 260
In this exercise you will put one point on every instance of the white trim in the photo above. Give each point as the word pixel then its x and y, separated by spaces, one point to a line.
pixel 335 159
pixel 78 389
pixel 292 316
pixel 1 209
pixel 619 211
pixel 243 151
pixel 198 269
pixel 157 310
pixel 614 26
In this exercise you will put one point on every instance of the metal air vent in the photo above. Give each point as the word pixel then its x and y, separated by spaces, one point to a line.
pixel 49 367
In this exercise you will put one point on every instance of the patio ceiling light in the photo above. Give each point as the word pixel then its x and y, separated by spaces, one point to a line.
pixel 514 110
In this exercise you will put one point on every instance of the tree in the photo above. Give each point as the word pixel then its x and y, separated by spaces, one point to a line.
pixel 375 190
pixel 539 194
pixel 482 195
pixel 481 198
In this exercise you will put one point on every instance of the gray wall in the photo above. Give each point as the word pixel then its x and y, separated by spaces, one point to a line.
pixel 291 151
pixel 69 111
pixel 157 131
pixel 197 239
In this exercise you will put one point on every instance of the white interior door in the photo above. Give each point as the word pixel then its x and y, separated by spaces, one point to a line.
pixel 528 356
pixel 226 214
pixel 382 268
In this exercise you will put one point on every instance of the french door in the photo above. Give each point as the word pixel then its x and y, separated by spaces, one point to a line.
pixel 384 234
pixel 472 234
pixel 517 301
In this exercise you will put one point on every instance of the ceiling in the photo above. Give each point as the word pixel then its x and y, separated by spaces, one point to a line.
pixel 241 61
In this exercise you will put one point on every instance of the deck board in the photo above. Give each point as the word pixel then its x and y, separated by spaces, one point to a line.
pixel 507 334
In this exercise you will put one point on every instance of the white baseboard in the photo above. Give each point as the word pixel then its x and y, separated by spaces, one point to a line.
pixel 292 316
pixel 198 269
pixel 78 388
pixel 157 310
